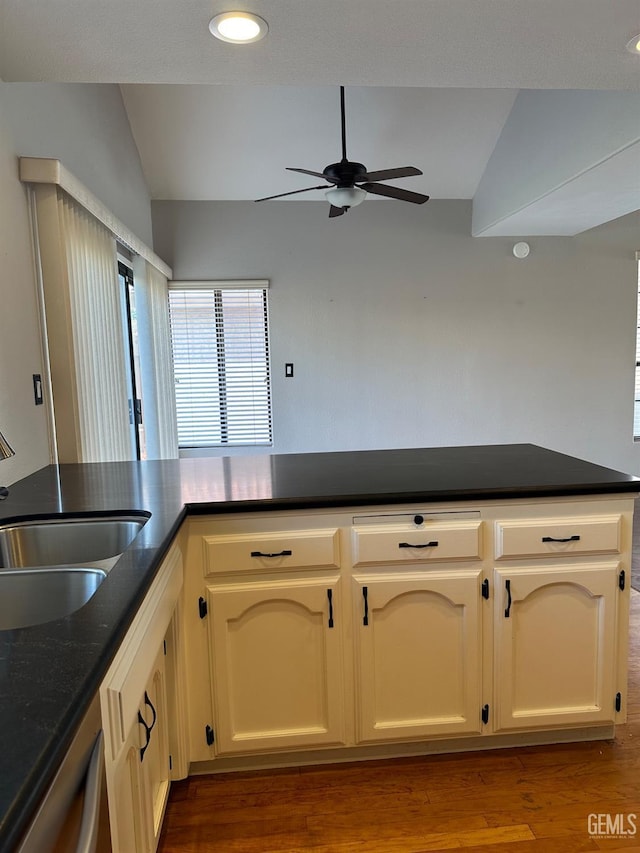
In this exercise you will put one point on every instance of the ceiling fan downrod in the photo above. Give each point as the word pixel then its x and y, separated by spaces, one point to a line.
pixel 344 125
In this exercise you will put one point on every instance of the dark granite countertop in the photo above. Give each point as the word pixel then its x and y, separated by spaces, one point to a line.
pixel 49 673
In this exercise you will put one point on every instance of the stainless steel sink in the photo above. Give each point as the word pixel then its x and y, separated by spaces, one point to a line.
pixel 33 596
pixel 67 541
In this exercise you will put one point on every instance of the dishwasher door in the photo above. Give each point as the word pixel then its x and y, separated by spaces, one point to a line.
pixel 73 816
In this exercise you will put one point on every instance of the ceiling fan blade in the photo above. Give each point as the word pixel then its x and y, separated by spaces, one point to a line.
pixel 388 174
pixel 336 211
pixel 315 174
pixel 395 192
pixel 293 192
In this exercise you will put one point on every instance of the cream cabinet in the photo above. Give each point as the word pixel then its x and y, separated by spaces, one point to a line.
pixel 555 645
pixel 277 665
pixel 416 539
pixel 153 728
pixel 128 809
pixel 419 655
pixel 564 536
pixel 138 779
pixel 136 715
pixel 264 631
pixel 396 630
pixel 417 625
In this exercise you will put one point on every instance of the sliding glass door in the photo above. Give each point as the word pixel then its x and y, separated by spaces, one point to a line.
pixel 134 384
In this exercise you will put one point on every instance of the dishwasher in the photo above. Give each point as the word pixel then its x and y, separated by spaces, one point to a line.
pixel 73 816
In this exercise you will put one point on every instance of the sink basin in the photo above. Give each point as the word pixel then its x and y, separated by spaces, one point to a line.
pixel 33 596
pixel 67 541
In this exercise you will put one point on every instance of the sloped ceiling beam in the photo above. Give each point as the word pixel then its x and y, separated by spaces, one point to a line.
pixel 566 161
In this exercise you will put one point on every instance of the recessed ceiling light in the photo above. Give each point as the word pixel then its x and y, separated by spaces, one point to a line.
pixel 633 46
pixel 238 27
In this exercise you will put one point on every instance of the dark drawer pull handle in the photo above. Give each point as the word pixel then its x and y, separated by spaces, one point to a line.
pixel 365 595
pixel 148 702
pixel 278 554
pixel 143 723
pixel 433 544
pixel 147 731
pixel 507 611
pixel 575 538
pixel 330 598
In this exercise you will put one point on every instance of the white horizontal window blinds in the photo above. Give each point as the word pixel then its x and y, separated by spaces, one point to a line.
pixel 102 415
pixel 220 343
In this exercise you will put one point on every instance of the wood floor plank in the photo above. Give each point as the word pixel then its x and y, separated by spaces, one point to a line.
pixel 627 766
pixel 544 845
pixel 577 823
pixel 550 822
pixel 419 843
pixel 431 841
pixel 389 823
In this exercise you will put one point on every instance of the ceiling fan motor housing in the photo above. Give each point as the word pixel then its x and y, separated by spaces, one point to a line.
pixel 345 173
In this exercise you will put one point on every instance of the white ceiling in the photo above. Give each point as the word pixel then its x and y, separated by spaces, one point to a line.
pixel 429 83
pixel 235 142
pixel 534 44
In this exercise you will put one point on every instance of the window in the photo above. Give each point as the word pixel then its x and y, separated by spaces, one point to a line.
pixel 220 340
pixel 132 360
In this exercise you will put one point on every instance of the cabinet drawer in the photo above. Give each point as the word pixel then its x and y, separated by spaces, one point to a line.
pixel 558 537
pixel 386 544
pixel 281 551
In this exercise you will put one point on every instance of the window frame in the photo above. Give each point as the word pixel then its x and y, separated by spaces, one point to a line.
pixel 636 394
pixel 217 337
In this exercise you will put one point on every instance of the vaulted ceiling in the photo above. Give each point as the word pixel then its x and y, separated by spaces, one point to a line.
pixel 530 108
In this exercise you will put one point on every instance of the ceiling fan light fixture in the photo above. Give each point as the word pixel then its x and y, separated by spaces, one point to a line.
pixel 633 46
pixel 238 27
pixel 345 196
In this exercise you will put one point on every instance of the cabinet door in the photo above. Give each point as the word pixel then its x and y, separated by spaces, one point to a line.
pixel 277 672
pixel 138 781
pixel 155 761
pixel 555 645
pixel 419 655
pixel 127 804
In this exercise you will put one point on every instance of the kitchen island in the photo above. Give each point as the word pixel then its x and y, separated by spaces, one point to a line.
pixel 49 673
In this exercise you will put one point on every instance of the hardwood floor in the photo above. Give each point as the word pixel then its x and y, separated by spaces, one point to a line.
pixel 524 800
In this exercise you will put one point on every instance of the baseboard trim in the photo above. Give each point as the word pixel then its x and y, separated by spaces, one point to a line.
pixel 385 751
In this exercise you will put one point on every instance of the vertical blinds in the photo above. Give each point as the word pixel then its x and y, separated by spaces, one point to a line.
pixel 220 339
pixel 636 404
pixel 102 415
pixel 158 394
pixel 85 344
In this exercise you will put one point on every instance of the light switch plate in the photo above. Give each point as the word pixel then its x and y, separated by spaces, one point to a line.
pixel 37 389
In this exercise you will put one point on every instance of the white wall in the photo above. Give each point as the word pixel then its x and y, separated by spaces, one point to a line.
pixel 86 128
pixel 21 422
pixel 406 331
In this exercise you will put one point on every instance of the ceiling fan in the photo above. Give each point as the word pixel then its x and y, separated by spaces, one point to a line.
pixel 349 182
